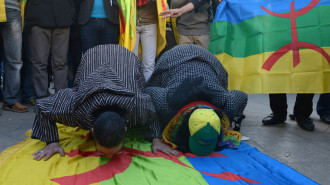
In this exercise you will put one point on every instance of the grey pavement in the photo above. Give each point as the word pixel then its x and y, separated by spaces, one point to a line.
pixel 306 152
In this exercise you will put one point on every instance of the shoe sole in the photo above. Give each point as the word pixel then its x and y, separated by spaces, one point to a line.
pixel 14 110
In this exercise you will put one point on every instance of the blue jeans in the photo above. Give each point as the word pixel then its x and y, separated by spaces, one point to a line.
pixel 323 105
pixel 29 91
pixel 98 32
pixel 12 38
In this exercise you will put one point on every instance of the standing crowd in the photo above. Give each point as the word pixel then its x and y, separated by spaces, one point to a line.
pixel 48 43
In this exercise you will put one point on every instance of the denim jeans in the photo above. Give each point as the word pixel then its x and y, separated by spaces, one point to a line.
pixel 26 72
pixel 323 105
pixel 98 32
pixel 147 34
pixel 12 38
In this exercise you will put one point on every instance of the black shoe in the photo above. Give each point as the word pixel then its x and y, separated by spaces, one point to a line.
pixel 292 116
pixel 305 123
pixel 325 118
pixel 273 119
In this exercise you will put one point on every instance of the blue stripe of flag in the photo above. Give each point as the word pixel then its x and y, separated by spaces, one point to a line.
pixel 236 11
pixel 248 162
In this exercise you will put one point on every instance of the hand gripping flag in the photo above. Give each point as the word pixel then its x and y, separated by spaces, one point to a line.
pixel 138 165
pixel 274 46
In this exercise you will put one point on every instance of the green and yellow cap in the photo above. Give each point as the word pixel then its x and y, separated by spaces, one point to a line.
pixel 204 128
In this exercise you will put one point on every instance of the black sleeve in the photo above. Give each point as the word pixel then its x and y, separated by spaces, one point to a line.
pixel 197 3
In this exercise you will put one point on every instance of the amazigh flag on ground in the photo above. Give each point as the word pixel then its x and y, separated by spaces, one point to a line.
pixel 270 46
pixel 136 165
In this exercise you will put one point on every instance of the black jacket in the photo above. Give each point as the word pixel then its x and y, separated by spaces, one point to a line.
pixel 110 8
pixel 49 13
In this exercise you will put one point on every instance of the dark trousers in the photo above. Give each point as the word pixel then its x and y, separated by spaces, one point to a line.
pixel 323 105
pixel 43 41
pixel 74 54
pixel 98 32
pixel 302 108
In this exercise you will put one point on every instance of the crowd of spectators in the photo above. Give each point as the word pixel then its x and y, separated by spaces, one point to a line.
pixel 55 34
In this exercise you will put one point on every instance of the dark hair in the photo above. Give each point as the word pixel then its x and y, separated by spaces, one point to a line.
pixel 190 90
pixel 109 129
pixel 181 139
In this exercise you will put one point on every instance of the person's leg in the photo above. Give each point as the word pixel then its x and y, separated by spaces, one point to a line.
pixel 323 107
pixel 60 45
pixel 304 105
pixel 40 42
pixel 202 41
pixel 136 47
pixel 278 105
pixel 184 39
pixel 303 108
pixel 27 79
pixel 108 33
pixel 1 66
pixel 75 49
pixel 12 39
pixel 89 35
pixel 149 48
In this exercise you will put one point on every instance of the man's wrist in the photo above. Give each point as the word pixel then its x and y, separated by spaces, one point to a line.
pixel 155 140
pixel 50 142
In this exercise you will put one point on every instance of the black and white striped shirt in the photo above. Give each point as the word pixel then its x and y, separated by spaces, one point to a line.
pixel 109 76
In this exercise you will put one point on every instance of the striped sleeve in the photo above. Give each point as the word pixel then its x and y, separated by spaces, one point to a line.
pixel 154 130
pixel 44 129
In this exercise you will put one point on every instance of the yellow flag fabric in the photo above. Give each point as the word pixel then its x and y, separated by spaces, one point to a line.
pixel 246 74
pixel 127 19
pixel 83 165
pixel 161 31
pixel 3 17
pixel 137 165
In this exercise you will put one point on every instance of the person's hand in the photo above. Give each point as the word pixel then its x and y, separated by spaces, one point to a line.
pixel 48 151
pixel 158 145
pixel 171 13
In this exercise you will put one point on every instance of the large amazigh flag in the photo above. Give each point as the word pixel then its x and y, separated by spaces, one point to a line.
pixel 138 166
pixel 127 17
pixel 274 46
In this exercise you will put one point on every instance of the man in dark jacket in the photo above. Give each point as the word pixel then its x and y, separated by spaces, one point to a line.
pixel 50 22
pixel 107 98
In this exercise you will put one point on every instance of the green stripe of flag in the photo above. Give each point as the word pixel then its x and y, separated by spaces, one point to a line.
pixel 268 33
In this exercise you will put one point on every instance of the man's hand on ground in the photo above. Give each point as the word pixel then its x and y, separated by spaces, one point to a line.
pixel 158 145
pixel 48 151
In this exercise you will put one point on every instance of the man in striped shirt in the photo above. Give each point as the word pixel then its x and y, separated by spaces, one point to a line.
pixel 107 98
